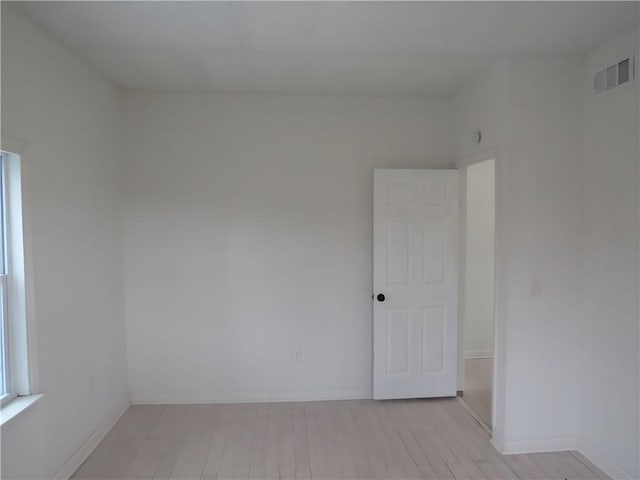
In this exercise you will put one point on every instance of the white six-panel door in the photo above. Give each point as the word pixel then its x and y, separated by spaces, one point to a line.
pixel 415 244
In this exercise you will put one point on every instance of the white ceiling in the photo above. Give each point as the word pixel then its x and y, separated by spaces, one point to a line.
pixel 315 47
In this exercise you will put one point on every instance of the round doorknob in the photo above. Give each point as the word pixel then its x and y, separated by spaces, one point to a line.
pixel 380 297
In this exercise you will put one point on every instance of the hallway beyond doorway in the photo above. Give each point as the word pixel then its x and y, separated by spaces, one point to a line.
pixel 478 373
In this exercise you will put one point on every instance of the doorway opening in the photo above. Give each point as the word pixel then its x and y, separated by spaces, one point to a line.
pixel 478 326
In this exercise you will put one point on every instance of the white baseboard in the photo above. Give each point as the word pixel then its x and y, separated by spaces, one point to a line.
pixel 92 442
pixel 243 397
pixel 497 442
pixel 599 460
pixel 511 447
pixel 471 354
pixel 560 445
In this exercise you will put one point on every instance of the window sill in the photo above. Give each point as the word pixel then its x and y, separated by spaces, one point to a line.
pixel 17 406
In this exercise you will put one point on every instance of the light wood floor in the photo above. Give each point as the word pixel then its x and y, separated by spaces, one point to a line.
pixel 478 379
pixel 431 439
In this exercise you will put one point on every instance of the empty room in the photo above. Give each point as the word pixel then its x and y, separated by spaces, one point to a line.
pixel 319 240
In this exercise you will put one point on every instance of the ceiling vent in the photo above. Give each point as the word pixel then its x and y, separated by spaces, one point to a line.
pixel 615 75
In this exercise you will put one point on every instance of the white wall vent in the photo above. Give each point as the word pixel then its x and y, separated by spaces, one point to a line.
pixel 614 75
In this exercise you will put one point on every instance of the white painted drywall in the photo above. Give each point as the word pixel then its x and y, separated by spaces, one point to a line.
pixel 482 106
pixel 529 110
pixel 248 237
pixel 68 114
pixel 480 260
pixel 544 235
pixel 567 218
pixel 608 333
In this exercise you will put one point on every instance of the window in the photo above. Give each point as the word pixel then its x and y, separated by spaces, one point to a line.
pixel 5 381
pixel 14 368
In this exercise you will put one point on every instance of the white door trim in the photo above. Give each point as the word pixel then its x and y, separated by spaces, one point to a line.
pixel 500 289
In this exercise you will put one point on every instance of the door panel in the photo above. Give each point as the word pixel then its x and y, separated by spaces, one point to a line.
pixel 415 268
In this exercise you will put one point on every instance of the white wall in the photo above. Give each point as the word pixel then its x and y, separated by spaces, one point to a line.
pixel 482 105
pixel 529 110
pixel 480 260
pixel 544 235
pixel 567 266
pixel 68 114
pixel 248 236
pixel 609 326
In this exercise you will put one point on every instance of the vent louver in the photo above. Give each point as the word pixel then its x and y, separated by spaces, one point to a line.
pixel 614 75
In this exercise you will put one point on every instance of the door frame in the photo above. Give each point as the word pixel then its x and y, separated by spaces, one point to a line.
pixel 500 285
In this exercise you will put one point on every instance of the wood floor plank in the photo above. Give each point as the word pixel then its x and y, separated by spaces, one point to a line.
pixel 220 427
pixel 419 458
pixel 568 466
pixel 525 467
pixel 328 436
pixel 357 439
pixel 335 432
pixel 129 447
pixel 356 448
pixel 466 471
pixel 232 445
pixel 272 454
pixel 100 460
pixel 286 441
pixel 317 460
pixel 461 436
pixel 365 436
pixel 176 436
pixel 556 466
pixel 258 452
pixel 392 435
pixel 582 459
pixel 151 451
pixel 420 431
pixel 459 420
pixel 429 438
pixel 247 437
pixel 193 456
pixel 584 468
pixel 493 471
pixel 388 455
pixel 301 443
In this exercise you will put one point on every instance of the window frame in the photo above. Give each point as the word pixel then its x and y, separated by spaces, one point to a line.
pixel 15 297
pixel 5 380
pixel 7 387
